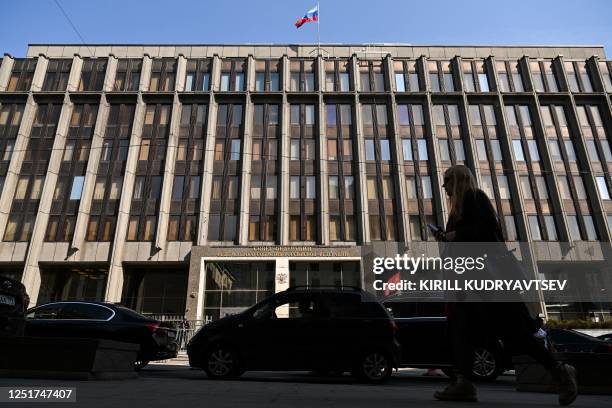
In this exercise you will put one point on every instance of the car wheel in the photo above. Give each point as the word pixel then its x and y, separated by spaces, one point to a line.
pixel 373 366
pixel 140 364
pixel 222 362
pixel 487 364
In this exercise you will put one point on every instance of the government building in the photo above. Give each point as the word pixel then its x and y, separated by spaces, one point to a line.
pixel 196 180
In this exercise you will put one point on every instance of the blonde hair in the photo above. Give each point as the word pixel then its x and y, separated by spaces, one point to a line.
pixel 463 180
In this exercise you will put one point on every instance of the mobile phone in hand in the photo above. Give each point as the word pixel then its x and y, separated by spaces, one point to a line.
pixel 434 228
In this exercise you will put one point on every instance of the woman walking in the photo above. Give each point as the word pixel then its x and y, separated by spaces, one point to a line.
pixel 472 218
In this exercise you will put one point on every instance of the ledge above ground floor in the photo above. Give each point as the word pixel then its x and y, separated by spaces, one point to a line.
pixel 13 251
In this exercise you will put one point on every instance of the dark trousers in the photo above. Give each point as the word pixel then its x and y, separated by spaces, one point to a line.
pixel 472 324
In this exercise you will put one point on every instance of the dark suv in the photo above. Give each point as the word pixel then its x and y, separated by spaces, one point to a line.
pixel 319 329
pixel 13 303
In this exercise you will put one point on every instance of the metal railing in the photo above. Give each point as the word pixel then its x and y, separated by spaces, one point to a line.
pixel 185 329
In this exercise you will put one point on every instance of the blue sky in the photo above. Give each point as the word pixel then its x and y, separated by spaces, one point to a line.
pixel 560 22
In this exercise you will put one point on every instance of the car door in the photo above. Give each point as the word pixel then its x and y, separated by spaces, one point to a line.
pixel 424 341
pixel 41 321
pixel 276 336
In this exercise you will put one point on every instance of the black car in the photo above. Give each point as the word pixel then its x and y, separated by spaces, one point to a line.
pixel 104 321
pixel 425 344
pixel 13 304
pixel 318 329
pixel 606 337
pixel 564 340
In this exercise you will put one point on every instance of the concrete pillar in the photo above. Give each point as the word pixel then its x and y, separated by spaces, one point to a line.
pixel 5 71
pixel 323 196
pixel 401 198
pixel 598 211
pixel 145 73
pixel 39 73
pixel 549 173
pixel 170 162
pixel 111 73
pixel 21 144
pixel 245 196
pixel 80 228
pixel 75 73
pixel 209 150
pixel 361 190
pixel 31 272
pixel 114 285
pixel 281 283
pixel 285 152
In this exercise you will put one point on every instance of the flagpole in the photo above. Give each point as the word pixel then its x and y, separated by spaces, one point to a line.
pixel 318 32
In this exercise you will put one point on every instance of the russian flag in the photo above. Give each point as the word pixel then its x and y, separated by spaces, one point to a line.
pixel 311 15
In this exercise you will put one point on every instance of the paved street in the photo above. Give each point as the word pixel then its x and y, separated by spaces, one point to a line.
pixel 174 383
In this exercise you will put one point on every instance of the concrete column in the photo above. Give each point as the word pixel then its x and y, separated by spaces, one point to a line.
pixel 80 228
pixel 75 73
pixel 518 202
pixel 12 174
pixel 598 210
pixel 550 174
pixel 468 140
pixel 111 73
pixel 245 196
pixel 281 283
pixel 145 73
pixel 195 289
pixel 21 143
pixel 5 71
pixel 39 73
pixel 209 150
pixel 114 285
pixel 398 170
pixel 436 174
pixel 323 196
pixel 285 149
pixel 170 162
pixel 361 190
pixel 31 272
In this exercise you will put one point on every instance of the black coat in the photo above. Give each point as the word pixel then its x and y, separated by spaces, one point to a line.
pixel 478 222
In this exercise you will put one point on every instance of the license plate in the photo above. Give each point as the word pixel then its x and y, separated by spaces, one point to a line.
pixel 7 300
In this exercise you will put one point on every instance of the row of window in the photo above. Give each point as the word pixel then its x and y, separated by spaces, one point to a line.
pixel 443 76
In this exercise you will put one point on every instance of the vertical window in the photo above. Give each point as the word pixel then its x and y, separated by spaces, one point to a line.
pixel 526 187
pixel 591 233
pixel 574 229
pixel 534 154
pixel 422 149
pixel 518 150
pixel 400 84
pixel 504 190
pixel 427 190
pixel 407 148
pixel 534 227
pixel 310 187
pixel 551 229
pixel 603 188
pixel 333 187
pixel 411 188
pixel 77 188
pixel 369 148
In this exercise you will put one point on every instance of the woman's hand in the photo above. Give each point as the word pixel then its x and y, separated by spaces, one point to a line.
pixel 440 235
